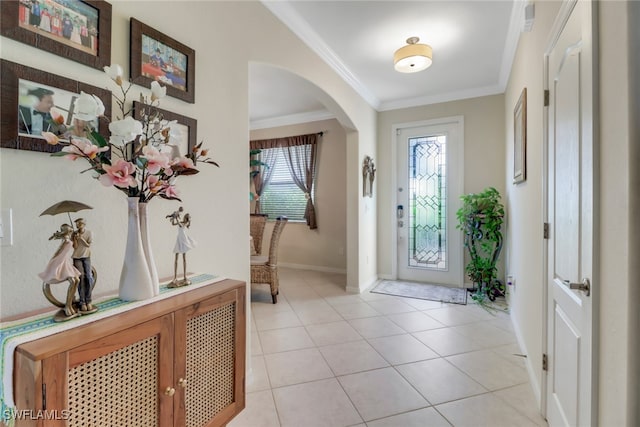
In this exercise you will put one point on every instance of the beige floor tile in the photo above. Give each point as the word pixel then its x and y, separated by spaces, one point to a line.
pixel 391 306
pixel 486 335
pixel 374 327
pixel 315 316
pixel 490 369
pixel 342 299
pixel 414 321
pixel 439 381
pixel 278 340
pixel 356 310
pixel 276 320
pixel 372 296
pixel 315 404
pixel 295 367
pixel 260 411
pixel 451 316
pixel 258 380
pixel 484 410
pixel 332 333
pixel 427 417
pixel 270 307
pixel 399 349
pixel 381 393
pixel 512 353
pixel 446 342
pixel 256 347
pixel 521 398
pixel 424 304
pixel 351 357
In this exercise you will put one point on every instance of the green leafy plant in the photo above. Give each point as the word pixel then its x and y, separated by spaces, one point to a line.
pixel 480 218
pixel 254 165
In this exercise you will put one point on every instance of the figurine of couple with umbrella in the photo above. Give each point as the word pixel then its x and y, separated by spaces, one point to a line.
pixel 70 263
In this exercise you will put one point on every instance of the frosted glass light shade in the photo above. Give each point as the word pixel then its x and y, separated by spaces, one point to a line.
pixel 413 57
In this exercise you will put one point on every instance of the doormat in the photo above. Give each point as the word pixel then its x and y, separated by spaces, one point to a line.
pixel 422 291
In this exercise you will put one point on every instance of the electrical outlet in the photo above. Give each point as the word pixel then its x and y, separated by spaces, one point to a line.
pixel 6 227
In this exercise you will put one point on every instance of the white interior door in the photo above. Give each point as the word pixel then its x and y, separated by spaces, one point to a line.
pixel 570 177
pixel 430 182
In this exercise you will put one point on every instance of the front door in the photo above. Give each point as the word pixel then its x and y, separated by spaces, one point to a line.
pixel 430 182
pixel 570 399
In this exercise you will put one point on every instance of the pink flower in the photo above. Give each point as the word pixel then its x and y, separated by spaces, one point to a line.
pixel 171 191
pixel 156 161
pixel 154 184
pixel 51 138
pixel 82 147
pixel 119 174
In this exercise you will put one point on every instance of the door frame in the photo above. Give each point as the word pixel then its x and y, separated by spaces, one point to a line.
pixel 395 129
pixel 559 23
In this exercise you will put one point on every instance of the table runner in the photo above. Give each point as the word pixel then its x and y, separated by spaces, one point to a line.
pixel 28 329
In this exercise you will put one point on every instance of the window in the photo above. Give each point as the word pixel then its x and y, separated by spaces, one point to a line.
pixel 282 196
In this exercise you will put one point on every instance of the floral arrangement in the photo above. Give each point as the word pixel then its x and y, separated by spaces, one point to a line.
pixel 135 158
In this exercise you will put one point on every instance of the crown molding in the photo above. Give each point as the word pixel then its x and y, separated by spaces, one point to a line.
pixel 301 28
pixel 291 119
pixel 516 26
pixel 437 99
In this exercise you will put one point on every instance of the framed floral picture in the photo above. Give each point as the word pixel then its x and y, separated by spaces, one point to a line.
pixel 182 135
pixel 156 56
pixel 32 99
pixel 76 29
pixel 520 139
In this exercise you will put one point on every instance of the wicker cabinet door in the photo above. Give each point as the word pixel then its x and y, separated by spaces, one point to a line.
pixel 209 360
pixel 123 379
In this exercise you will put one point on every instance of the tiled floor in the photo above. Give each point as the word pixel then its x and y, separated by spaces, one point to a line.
pixel 322 357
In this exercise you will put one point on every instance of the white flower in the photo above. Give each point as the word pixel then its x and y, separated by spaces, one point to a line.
pixel 88 107
pixel 123 131
pixel 157 91
pixel 115 73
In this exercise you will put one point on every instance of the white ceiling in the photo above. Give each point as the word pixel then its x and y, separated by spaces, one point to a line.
pixel 473 45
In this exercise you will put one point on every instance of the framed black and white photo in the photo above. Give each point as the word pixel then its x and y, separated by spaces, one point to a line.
pixel 520 139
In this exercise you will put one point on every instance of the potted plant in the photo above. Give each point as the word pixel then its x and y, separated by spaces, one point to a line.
pixel 254 169
pixel 480 219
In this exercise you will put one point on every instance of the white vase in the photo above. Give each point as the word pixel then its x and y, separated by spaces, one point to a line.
pixel 135 279
pixel 146 246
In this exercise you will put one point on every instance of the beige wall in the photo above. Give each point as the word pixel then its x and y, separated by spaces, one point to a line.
pixel 323 248
pixel 216 198
pixel 483 157
pixel 616 351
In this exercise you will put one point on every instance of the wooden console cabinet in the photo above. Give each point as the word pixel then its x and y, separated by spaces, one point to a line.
pixel 179 361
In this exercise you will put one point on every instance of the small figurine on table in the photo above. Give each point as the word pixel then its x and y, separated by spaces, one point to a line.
pixel 60 269
pixel 184 244
pixel 82 239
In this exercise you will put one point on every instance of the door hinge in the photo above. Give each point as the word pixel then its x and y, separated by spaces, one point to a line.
pixel 546 97
pixel 44 396
pixel 545 230
pixel 545 362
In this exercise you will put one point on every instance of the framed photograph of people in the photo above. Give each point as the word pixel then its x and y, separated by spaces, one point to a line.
pixel 520 139
pixel 183 130
pixel 156 56
pixel 31 100
pixel 76 29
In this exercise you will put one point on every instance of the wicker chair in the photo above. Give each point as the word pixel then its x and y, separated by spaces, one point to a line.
pixel 264 270
pixel 256 229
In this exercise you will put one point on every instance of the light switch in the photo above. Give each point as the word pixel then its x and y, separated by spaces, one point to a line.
pixel 6 227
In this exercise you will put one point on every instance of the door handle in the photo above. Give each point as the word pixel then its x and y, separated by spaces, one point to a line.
pixel 585 286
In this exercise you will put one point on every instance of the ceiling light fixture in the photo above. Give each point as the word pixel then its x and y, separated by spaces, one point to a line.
pixel 413 57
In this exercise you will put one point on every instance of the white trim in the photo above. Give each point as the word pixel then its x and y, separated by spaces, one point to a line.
pixel 313 268
pixel 531 371
pixel 516 24
pixel 291 119
pixel 445 97
pixel 359 290
pixel 301 28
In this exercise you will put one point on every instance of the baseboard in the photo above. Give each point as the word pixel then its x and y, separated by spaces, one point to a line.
pixel 533 379
pixel 313 268
pixel 386 277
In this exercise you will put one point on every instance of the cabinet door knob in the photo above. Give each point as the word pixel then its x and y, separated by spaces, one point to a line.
pixel 170 391
pixel 182 383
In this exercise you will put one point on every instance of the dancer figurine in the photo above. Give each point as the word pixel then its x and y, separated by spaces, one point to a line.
pixel 60 269
pixel 82 239
pixel 183 244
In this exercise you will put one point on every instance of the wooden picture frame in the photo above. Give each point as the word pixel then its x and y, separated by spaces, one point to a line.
pixel 520 139
pixel 76 29
pixel 21 85
pixel 186 131
pixel 156 56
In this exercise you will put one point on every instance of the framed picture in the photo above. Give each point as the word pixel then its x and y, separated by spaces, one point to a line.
pixel 520 139
pixel 74 29
pixel 156 56
pixel 29 100
pixel 183 134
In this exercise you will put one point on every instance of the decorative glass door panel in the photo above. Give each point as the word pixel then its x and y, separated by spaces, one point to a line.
pixel 427 220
